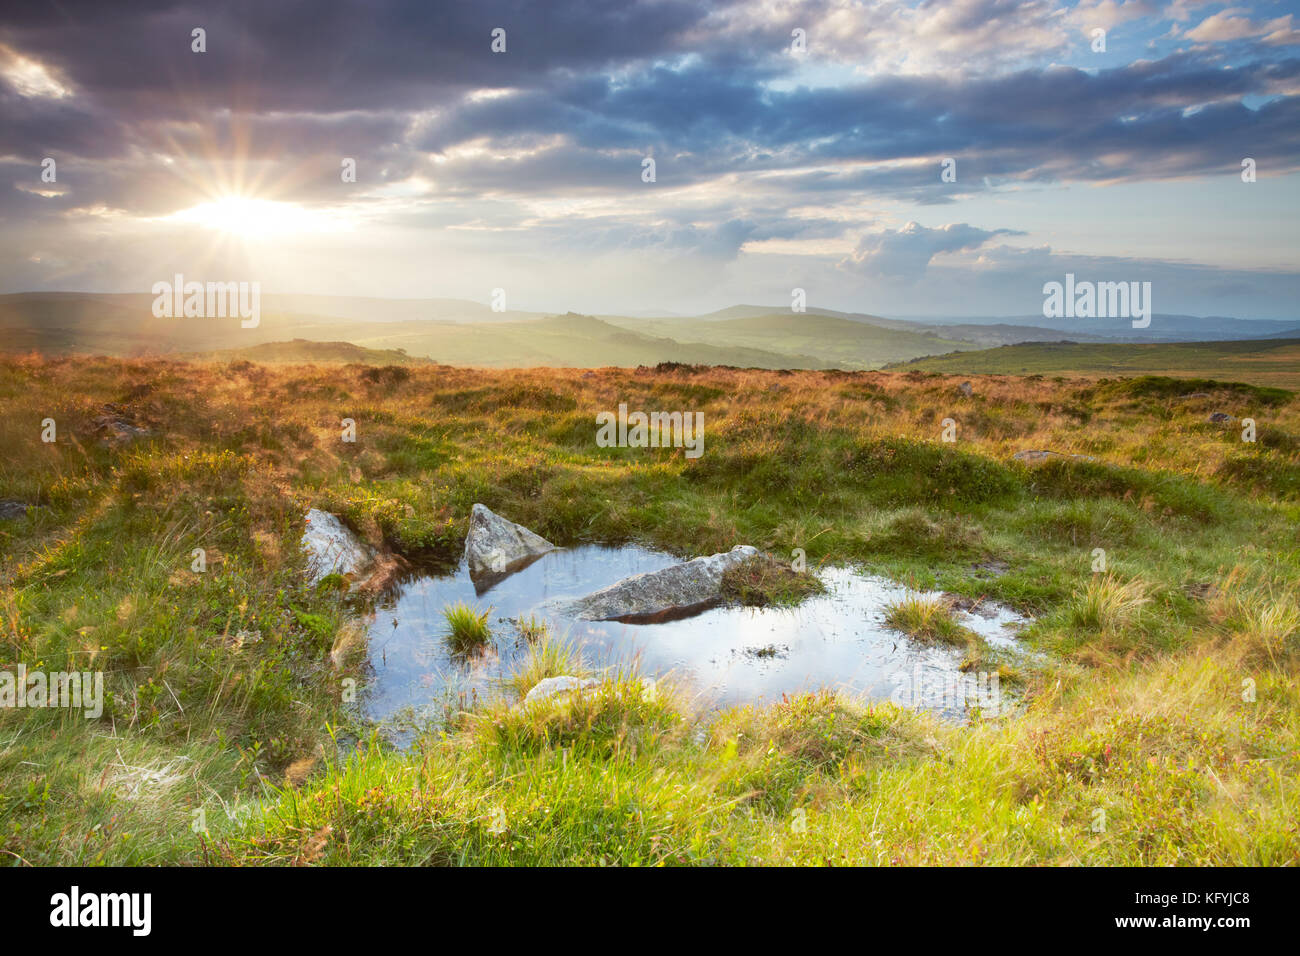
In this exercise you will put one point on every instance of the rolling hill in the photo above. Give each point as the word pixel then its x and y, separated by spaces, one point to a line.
pixel 1273 362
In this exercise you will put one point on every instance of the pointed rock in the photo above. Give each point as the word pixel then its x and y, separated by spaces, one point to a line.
pixel 495 546
pixel 657 595
pixel 332 548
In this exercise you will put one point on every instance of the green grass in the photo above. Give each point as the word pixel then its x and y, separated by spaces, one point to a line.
pixel 764 581
pixel 467 628
pixel 929 620
pixel 547 656
pixel 1165 690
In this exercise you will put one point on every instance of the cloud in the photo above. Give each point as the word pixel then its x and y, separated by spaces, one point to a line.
pixel 907 252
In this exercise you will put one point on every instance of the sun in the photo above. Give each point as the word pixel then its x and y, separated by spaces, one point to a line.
pixel 251 218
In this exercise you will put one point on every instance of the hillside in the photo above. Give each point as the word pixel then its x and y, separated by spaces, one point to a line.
pixel 837 342
pixel 303 351
pixel 1257 361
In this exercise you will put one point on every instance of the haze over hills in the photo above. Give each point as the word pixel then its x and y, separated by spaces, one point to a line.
pixel 462 332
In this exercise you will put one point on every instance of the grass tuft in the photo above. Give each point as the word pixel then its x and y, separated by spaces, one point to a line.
pixel 467 628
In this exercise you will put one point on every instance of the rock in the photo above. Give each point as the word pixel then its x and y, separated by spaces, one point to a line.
pixel 114 428
pixel 1221 418
pixel 671 592
pixel 965 389
pixel 332 548
pixel 1190 395
pixel 551 686
pixel 495 547
pixel 10 509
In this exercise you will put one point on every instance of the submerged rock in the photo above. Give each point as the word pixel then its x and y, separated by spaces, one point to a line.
pixel 673 591
pixel 333 548
pixel 495 546
pixel 563 684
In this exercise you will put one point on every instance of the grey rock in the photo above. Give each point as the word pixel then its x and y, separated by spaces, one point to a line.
pixel 551 686
pixel 10 509
pixel 677 590
pixel 1221 418
pixel 333 548
pixel 965 389
pixel 114 428
pixel 494 546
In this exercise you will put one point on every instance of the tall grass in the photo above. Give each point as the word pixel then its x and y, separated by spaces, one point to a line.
pixel 928 619
pixel 547 656
pixel 467 628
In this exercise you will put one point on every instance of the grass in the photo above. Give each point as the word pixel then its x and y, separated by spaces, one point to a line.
pixel 764 581
pixel 1165 691
pixel 929 620
pixel 547 657
pixel 467 628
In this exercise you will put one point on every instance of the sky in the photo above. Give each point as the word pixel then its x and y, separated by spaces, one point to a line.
pixel 795 145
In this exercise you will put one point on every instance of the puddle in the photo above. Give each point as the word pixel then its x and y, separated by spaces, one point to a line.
pixel 725 655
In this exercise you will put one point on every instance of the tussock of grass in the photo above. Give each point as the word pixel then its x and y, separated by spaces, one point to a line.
pixel 466 627
pixel 763 581
pixel 623 711
pixel 548 656
pixel 1108 604
pixel 928 619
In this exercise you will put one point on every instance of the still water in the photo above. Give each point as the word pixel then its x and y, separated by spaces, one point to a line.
pixel 723 656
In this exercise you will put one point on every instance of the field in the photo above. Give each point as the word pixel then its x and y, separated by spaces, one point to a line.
pixel 1160 724
pixel 1261 361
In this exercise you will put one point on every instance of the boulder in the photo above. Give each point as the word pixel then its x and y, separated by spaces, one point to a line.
pixel 1221 418
pixel 115 428
pixel 965 389
pixel 550 686
pixel 494 546
pixel 333 548
pixel 674 591
pixel 10 509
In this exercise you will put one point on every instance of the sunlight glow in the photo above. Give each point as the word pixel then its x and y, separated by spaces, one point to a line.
pixel 259 218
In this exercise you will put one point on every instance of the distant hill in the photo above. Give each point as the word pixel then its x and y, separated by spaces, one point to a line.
pixel 1164 327
pixel 1273 362
pixel 124 325
pixel 305 351
pixel 570 341
pixel 838 342
pixel 457 331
